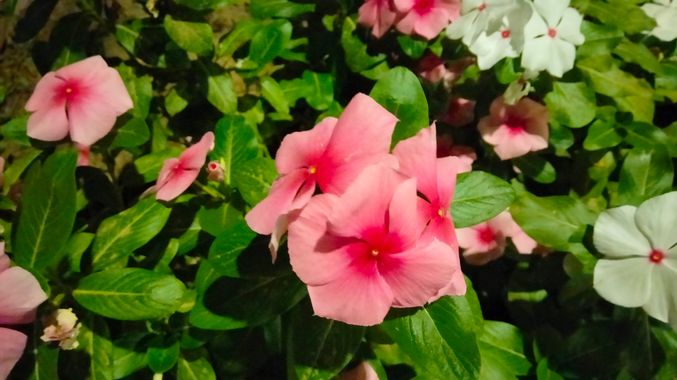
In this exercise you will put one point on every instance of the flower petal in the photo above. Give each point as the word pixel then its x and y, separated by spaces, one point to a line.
pixel 43 95
pixel 177 182
pixel 447 170
pixel 12 345
pixel 417 275
pixel 551 10
pixel 264 215
pixel 616 234
pixel 359 297
pixel 49 123
pixel 195 156
pixel 417 158
pixel 663 298
pixel 624 282
pixel 569 28
pixel 303 149
pixel 90 118
pixel 20 295
pixel 405 218
pixel 657 220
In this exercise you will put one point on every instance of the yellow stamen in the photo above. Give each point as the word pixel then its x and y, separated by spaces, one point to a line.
pixel 441 212
pixel 374 252
pixel 312 170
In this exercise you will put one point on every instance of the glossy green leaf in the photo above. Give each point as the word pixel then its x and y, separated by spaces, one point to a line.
pixel 130 294
pixel 254 177
pixel 274 94
pixel 268 42
pixel 502 349
pixel 47 212
pixel 175 103
pixel 194 365
pixel 279 8
pixel 571 104
pixel 94 337
pixel 203 4
pixel 226 249
pixel 317 89
pixel 220 93
pixel 119 235
pixel 645 173
pixel 163 354
pixel 243 32
pixel 133 133
pixel 195 37
pixel 479 196
pixel 356 55
pixel 536 167
pixel 217 220
pixel 400 92
pixel 235 143
pixel 140 90
pixel 129 354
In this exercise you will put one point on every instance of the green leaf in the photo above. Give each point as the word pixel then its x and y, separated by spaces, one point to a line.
pixel 648 136
pixel 602 132
pixel 356 55
pixel 235 144
pixel 128 354
pixel 319 348
pixel 263 9
pixel 94 337
pixel 129 34
pixel 15 130
pixel 553 220
pixel 217 220
pixel 502 350
pixel 543 371
pixel 14 171
pixel 140 90
pixel 47 212
pixel 440 339
pixel 225 250
pixel 571 104
pixel 221 94
pixel 666 81
pixel 243 32
pixel 400 92
pixel 195 37
pixel 130 294
pixel 600 39
pixel 175 103
pixel 201 5
pixel 133 133
pixel 274 94
pixel 254 178
pixel 268 42
pixel 163 354
pixel 645 173
pixel 623 14
pixel 536 167
pixel 46 359
pixel 315 88
pixel 479 196
pixel 412 47
pixel 194 365
pixel 639 54
pixel 119 235
pixel 76 247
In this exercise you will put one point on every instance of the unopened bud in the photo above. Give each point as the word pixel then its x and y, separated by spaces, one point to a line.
pixel 62 327
pixel 215 171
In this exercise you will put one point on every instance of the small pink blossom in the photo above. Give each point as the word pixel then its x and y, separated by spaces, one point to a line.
pixel 426 18
pixel 363 251
pixel 177 174
pixel 432 68
pixel 379 15
pixel 515 130
pixel 215 171
pixel 487 241
pixel 460 112
pixel 82 99
pixel 363 371
pixel 329 156
pixel 20 295
pixel 436 180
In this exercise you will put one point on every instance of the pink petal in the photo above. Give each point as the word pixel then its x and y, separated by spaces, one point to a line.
pixel 280 229
pixel 49 123
pixel 524 243
pixel 377 15
pixel 359 296
pixel 447 170
pixel 417 158
pixel 363 371
pixel 407 24
pixel 336 177
pixel 20 295
pixel 90 117
pixel 303 149
pixel 365 202
pixel 4 260
pixel 195 156
pixel 12 345
pixel 179 181
pixel 110 88
pixel 417 275
pixel 264 215
pixel 431 24
pixel 442 229
pixel 404 5
pixel 44 93
pixel 86 69
pixel 311 248
pixel 166 171
pixel 404 216
pixel 514 146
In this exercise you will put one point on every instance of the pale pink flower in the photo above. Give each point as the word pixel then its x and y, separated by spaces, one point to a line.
pixel 515 130
pixel 466 155
pixel 177 174
pixel 436 180
pixel 460 112
pixel 331 156
pixel 487 241
pixel 426 18
pixel 379 15
pixel 62 326
pixel 363 371
pixel 432 68
pixel 82 99
pixel 363 251
pixel 20 295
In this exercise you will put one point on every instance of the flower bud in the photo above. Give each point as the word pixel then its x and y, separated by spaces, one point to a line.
pixel 62 327
pixel 215 171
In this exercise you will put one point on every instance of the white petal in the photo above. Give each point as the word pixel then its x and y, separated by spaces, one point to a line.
pixel 461 27
pixel 499 8
pixel 569 28
pixel 535 27
pixel 652 10
pixel 616 234
pixel 663 298
pixel 535 55
pixel 561 58
pixel 667 25
pixel 657 219
pixel 551 10
pixel 491 49
pixel 624 282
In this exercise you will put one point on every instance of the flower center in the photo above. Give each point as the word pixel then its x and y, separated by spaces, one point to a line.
pixel 486 235
pixel 312 169
pixel 516 124
pixel 505 33
pixel 441 213
pixel 375 252
pixel 213 166
pixel 424 6
pixel 552 32
pixel 481 7
pixel 656 256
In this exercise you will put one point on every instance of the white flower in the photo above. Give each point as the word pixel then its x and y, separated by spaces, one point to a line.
pixel 640 245
pixel 550 36
pixel 507 40
pixel 476 16
pixel 665 14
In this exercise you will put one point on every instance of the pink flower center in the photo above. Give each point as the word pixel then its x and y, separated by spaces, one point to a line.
pixel 481 7
pixel 505 33
pixel 486 235
pixel 312 169
pixel 516 124
pixel 423 6
pixel 213 166
pixel 552 32
pixel 68 91
pixel 442 212
pixel 656 256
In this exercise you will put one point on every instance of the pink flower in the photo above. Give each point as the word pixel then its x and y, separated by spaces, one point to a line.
pixel 515 130
pixel 363 251
pixel 379 15
pixel 177 174
pixel 20 295
pixel 426 18
pixel 460 112
pixel 436 180
pixel 363 371
pixel 465 154
pixel 486 241
pixel 83 154
pixel 82 99
pixel 331 155
pixel 432 68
